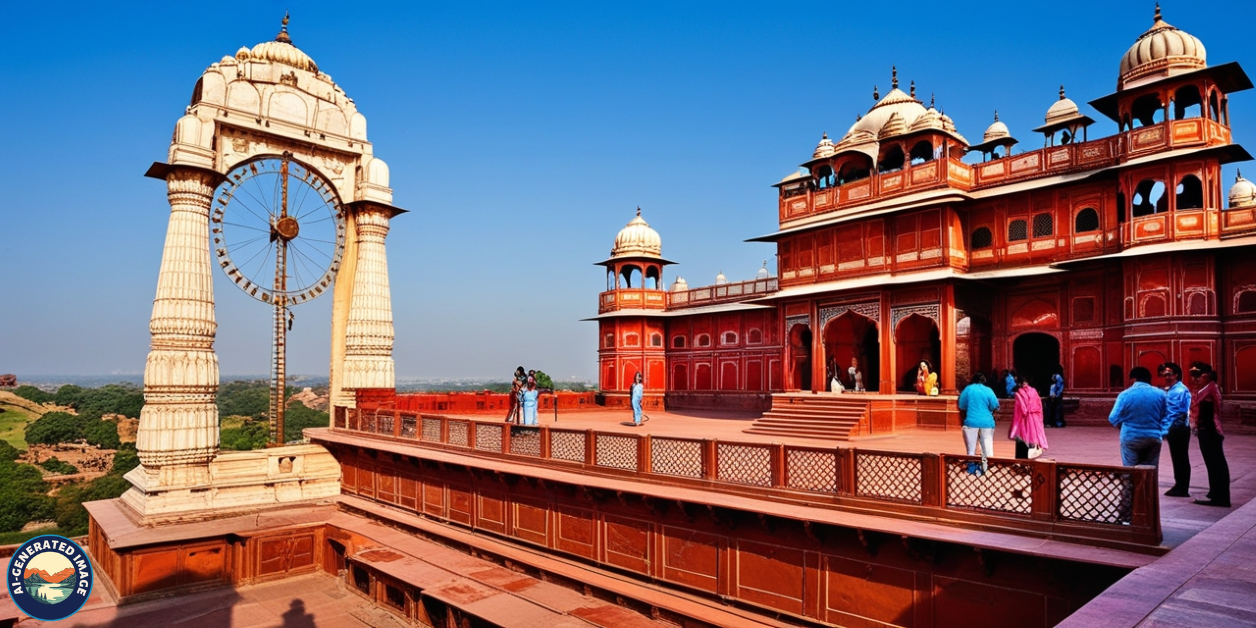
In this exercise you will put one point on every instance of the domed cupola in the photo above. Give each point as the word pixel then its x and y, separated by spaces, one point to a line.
pixel 680 285
pixel 824 149
pixel 720 279
pixel 1162 51
pixel 637 240
pixel 996 135
pixel 1242 193
pixel 1063 115
pixel 762 273
pixel 895 103
pixel 279 51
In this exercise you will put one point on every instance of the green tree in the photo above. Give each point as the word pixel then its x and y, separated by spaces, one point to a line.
pixel 125 459
pixel 124 399
pixel 8 453
pixel 30 393
pixel 103 434
pixel 253 434
pixel 69 395
pixel 21 508
pixel 244 398
pixel 298 417
pixel 70 514
pixel 543 380
pixel 55 427
pixel 58 466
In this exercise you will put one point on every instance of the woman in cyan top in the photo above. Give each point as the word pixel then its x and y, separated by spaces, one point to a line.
pixel 529 402
pixel 977 405
pixel 638 392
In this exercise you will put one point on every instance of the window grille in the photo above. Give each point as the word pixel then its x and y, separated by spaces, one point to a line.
pixel 1017 230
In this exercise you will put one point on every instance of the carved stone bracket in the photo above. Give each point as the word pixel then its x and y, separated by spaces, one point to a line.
pixel 928 310
pixel 869 309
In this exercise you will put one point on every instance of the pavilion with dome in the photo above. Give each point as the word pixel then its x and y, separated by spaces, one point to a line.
pixel 1088 256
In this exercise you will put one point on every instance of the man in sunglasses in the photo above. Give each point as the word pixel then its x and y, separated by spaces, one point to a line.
pixel 1178 407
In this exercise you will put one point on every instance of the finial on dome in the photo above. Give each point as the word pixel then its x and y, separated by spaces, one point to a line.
pixel 894 77
pixel 996 115
pixel 1158 18
pixel 638 211
pixel 1061 92
pixel 931 100
pixel 824 135
pixel 876 93
pixel 283 31
pixel 1238 175
pixel 913 89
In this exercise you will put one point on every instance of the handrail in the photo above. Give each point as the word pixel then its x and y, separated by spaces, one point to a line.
pixel 1109 505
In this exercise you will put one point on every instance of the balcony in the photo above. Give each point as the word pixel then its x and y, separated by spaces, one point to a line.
pixel 917 178
pixel 632 299
pixel 721 293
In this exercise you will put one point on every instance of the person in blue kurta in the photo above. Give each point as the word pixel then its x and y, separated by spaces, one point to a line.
pixel 977 405
pixel 1142 414
pixel 638 392
pixel 530 395
pixel 1178 407
pixel 1055 399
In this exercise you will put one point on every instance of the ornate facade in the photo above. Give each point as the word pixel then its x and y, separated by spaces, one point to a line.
pixel 1092 255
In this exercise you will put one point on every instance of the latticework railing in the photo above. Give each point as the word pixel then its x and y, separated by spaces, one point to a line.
pixel 1092 501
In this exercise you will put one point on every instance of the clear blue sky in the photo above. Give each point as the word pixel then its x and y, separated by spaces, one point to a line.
pixel 521 137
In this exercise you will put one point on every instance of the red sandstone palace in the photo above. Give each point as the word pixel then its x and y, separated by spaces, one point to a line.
pixel 1094 254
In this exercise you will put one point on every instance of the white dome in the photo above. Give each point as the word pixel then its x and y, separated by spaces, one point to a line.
pixel 280 51
pixel 762 273
pixel 1162 51
pixel 1242 193
pixel 1062 109
pixel 680 284
pixel 637 240
pixel 907 109
pixel 720 279
pixel 996 131
pixel 824 148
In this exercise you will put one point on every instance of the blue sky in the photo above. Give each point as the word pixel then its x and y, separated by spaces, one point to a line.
pixel 521 137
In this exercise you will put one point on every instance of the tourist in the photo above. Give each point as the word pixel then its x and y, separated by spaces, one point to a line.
pixel 976 406
pixel 926 380
pixel 835 383
pixel 1178 407
pixel 1027 428
pixel 1055 399
pixel 529 403
pixel 638 393
pixel 1009 384
pixel 856 376
pixel 1140 412
pixel 1205 416
pixel 516 388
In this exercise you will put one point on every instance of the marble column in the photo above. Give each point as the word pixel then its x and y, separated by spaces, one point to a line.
pixel 178 427
pixel 368 359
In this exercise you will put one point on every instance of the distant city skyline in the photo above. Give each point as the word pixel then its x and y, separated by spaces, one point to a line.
pixel 522 139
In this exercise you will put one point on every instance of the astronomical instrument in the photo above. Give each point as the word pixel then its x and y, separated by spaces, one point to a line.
pixel 278 232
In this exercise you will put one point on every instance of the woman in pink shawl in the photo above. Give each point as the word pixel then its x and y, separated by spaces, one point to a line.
pixel 1027 426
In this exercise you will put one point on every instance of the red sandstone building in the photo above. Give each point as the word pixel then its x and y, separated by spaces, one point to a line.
pixel 1096 255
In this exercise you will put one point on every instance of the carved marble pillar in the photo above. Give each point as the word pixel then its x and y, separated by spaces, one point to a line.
pixel 179 422
pixel 369 332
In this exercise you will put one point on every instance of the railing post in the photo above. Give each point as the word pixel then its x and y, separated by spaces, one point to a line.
pixel 444 430
pixel 471 434
pixel 545 443
pixel 505 437
pixel 1146 500
pixel 846 471
pixel 396 414
pixel 776 457
pixel 710 459
pixel 932 480
pixel 1044 489
pixel 590 447
pixel 644 462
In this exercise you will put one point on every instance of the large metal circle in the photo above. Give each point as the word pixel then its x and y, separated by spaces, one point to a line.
pixel 251 227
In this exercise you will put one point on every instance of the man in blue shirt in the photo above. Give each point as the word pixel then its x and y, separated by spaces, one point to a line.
pixel 1141 413
pixel 1178 406
pixel 1055 399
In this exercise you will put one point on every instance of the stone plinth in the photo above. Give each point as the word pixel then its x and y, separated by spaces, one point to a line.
pixel 233 482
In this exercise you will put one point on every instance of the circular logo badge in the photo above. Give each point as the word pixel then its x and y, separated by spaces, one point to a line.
pixel 49 577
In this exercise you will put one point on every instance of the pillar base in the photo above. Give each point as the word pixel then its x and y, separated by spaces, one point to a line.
pixel 232 483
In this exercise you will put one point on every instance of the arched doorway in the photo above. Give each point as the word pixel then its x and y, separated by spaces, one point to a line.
pixel 1035 356
pixel 855 336
pixel 916 338
pixel 800 357
pixel 973 348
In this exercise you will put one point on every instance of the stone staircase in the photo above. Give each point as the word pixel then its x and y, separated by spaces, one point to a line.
pixel 806 415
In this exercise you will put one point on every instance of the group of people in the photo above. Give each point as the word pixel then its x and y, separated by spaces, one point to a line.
pixel 1149 415
pixel 523 398
pixel 977 405
pixel 854 377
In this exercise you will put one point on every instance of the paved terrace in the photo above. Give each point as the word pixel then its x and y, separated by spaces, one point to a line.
pixel 1180 518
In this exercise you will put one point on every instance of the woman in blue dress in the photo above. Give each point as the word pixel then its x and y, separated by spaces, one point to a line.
pixel 529 403
pixel 638 392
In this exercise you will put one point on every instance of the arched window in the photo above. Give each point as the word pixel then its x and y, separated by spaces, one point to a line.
pixel 1087 220
pixel 1017 230
pixel 702 340
pixel 652 277
pixel 1044 225
pixel 632 340
pixel 678 342
pixel 1148 110
pixel 1148 198
pixel 825 177
pixel 609 341
pixel 1187 103
pixel 1190 193
pixel 631 276
pixel 730 338
pixel 754 336
pixel 982 238
pixel 854 169
pixel 922 152
pixel 656 340
pixel 1213 108
pixel 610 279
pixel 891 160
